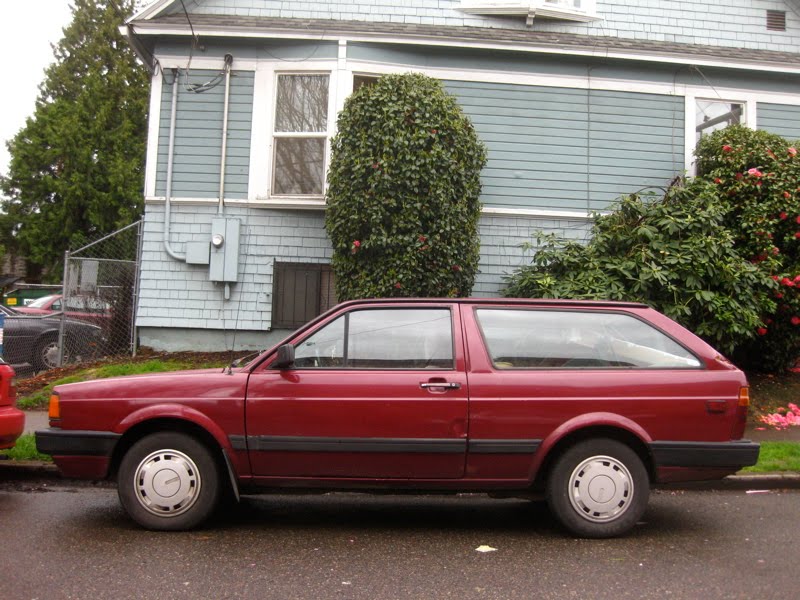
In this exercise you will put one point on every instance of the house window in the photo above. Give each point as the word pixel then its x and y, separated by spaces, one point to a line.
pixel 300 135
pixel 300 292
pixel 712 115
pixel 361 80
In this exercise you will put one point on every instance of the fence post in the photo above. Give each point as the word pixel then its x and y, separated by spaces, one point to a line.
pixel 61 336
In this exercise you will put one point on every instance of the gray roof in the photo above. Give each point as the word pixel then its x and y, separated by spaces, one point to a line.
pixel 546 41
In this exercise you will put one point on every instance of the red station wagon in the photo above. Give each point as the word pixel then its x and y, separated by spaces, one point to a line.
pixel 588 403
pixel 12 420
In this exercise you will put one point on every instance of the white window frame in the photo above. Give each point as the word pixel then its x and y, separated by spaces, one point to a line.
pixel 748 103
pixel 530 9
pixel 263 135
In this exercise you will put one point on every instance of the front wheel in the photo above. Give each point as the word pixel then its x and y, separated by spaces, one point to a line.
pixel 598 488
pixel 169 482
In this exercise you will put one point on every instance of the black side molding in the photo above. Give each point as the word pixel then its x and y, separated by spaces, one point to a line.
pixel 742 453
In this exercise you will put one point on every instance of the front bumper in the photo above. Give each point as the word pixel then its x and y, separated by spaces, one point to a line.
pixel 79 454
pixel 12 424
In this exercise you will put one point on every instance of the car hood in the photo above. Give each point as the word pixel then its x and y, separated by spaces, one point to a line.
pixel 169 384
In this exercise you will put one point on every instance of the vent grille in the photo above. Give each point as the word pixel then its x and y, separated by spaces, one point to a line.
pixel 776 20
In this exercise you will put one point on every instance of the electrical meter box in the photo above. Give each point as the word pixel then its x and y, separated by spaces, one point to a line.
pixel 224 259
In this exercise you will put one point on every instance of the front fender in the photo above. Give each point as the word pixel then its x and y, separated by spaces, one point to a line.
pixel 175 411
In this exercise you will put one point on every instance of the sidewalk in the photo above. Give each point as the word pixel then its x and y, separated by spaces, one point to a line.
pixel 37 419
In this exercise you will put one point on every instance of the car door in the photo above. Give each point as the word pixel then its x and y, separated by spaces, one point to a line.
pixel 375 392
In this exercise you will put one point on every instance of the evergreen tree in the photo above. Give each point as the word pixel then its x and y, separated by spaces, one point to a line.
pixel 77 166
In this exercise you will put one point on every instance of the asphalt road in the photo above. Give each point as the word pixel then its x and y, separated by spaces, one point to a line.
pixel 75 542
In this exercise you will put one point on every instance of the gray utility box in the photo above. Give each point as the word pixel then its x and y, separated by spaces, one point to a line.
pixel 224 265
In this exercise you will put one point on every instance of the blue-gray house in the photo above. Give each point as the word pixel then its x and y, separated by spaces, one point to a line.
pixel 577 101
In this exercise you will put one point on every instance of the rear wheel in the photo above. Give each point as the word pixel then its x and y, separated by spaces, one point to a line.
pixel 45 355
pixel 598 488
pixel 169 481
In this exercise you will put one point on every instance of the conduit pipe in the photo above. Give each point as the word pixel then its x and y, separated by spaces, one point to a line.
pixel 224 149
pixel 170 162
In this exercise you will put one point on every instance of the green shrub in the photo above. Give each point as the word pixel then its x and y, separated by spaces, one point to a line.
pixel 403 190
pixel 671 252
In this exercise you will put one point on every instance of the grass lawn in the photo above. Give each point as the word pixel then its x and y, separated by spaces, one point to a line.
pixel 25 450
pixel 776 456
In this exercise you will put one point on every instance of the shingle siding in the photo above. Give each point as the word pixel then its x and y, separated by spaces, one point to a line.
pixel 732 23
pixel 780 118
pixel 198 136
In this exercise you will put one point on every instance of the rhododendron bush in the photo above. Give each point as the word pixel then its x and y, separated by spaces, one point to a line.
pixel 719 253
pixel 403 189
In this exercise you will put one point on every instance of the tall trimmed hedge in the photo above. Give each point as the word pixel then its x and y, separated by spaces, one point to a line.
pixel 403 189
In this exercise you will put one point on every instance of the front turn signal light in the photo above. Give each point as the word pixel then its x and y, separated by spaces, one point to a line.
pixel 54 411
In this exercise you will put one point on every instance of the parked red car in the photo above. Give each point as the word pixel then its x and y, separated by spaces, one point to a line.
pixel 12 420
pixel 589 403
pixel 85 308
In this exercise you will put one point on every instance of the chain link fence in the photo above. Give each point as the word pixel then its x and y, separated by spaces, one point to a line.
pixel 92 317
pixel 98 303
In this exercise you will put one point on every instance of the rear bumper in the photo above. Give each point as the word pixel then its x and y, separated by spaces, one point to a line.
pixel 742 453
pixel 12 424
pixel 79 454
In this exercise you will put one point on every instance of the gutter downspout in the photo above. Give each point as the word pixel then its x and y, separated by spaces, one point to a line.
pixel 170 161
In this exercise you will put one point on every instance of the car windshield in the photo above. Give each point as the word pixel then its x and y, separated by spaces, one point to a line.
pixel 40 302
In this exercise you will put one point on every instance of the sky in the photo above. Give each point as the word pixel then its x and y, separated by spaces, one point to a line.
pixel 27 28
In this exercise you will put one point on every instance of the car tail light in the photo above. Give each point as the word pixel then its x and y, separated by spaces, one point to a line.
pixel 8 388
pixel 741 412
pixel 54 412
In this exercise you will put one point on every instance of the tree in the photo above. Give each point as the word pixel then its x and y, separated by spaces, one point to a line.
pixel 403 191
pixel 77 165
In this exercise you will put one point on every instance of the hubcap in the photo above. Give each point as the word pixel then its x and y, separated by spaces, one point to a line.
pixel 167 483
pixel 601 489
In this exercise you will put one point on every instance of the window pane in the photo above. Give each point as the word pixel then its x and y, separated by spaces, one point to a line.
pixel 712 115
pixel 325 348
pixel 553 339
pixel 302 103
pixel 299 166
pixel 400 339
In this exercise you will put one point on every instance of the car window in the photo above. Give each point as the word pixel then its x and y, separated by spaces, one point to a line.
pixel 381 339
pixel 572 339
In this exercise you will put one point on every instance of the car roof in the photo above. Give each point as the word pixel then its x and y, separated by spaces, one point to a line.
pixel 549 302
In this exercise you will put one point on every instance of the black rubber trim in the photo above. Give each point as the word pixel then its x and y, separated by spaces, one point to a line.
pixel 743 453
pixel 238 442
pixel 268 443
pixel 504 446
pixel 57 442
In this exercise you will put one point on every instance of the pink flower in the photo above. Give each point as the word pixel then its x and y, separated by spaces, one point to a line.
pixel 786 281
pixel 761 331
pixel 355 246
pixel 795 320
pixel 797 234
pixel 422 238
pixel 739 176
pixel 398 285
pixel 787 195
pixel 456 268
pixel 727 148
pixel 783 216
pixel 717 180
pixel 754 172
pixel 775 277
pixel 792 151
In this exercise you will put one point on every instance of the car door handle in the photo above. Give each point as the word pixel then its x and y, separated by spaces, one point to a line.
pixel 442 384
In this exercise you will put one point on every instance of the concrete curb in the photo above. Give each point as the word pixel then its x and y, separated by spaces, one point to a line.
pixel 32 470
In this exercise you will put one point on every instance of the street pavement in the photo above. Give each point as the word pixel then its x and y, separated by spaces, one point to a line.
pixel 64 542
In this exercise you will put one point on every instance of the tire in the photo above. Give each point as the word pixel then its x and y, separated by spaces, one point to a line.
pixel 169 481
pixel 598 488
pixel 45 356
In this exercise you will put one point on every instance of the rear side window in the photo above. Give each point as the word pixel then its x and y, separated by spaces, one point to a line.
pixel 381 339
pixel 548 339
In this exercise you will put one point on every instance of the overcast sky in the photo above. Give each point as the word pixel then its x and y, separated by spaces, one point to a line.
pixel 27 28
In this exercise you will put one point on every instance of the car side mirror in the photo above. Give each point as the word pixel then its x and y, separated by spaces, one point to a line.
pixel 285 357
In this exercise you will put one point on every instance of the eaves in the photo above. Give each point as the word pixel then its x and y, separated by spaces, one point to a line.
pixel 221 26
